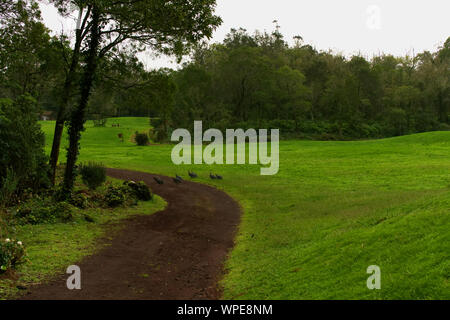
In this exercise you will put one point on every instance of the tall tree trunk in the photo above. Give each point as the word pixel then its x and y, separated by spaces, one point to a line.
pixel 77 118
pixel 61 117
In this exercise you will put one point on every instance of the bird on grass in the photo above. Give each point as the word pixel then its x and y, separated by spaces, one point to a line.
pixel 177 180
pixel 158 180
pixel 212 176
pixel 219 177
pixel 193 175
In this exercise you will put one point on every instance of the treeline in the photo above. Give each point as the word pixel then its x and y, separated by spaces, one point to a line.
pixel 247 81
pixel 260 81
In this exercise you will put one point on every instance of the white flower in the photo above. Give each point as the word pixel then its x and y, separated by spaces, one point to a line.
pixel 19 243
pixel 7 240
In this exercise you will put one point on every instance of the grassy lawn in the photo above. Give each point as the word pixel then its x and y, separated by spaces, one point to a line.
pixel 334 209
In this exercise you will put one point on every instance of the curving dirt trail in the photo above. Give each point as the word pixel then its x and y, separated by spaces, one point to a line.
pixel 177 253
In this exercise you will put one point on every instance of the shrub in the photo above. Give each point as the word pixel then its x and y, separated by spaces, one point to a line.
pixel 139 190
pixel 100 122
pixel 12 253
pixel 327 137
pixel 284 125
pixel 115 196
pixel 141 139
pixel 156 122
pixel 444 127
pixel 79 200
pixel 312 127
pixel 37 211
pixel 368 131
pixel 3 224
pixel 8 187
pixel 93 174
pixel 153 134
pixel 160 130
pixel 161 135
pixel 63 212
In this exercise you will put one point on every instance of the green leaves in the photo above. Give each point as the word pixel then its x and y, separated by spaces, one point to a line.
pixel 251 80
pixel 12 254
pixel 21 144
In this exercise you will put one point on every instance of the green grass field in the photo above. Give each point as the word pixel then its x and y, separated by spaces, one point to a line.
pixel 334 209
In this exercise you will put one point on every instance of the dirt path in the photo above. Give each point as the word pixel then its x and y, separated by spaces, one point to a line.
pixel 177 253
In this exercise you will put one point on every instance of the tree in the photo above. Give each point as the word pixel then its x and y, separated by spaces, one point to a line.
pixel 124 87
pixel 259 80
pixel 433 77
pixel 29 62
pixel 80 34
pixel 77 118
pixel 166 27
pixel 23 162
pixel 29 65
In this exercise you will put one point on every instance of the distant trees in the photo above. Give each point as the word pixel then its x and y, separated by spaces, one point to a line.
pixel 259 81
pixel 125 88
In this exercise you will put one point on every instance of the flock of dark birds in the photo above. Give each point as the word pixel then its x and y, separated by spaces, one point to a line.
pixel 177 179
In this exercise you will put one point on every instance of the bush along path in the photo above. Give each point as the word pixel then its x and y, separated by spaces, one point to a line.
pixel 177 253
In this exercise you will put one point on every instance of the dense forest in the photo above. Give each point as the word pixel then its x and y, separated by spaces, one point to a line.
pixel 260 81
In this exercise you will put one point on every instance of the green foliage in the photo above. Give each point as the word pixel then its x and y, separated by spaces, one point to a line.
pixel 127 194
pixel 159 131
pixel 23 163
pixel 139 190
pixel 93 174
pixel 12 254
pixel 141 139
pixel 8 187
pixel 115 196
pixel 31 61
pixel 100 122
pixel 42 210
pixel 156 122
pixel 259 81
pixel 79 200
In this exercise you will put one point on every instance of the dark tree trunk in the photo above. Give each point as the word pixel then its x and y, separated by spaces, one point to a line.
pixel 77 118
pixel 61 117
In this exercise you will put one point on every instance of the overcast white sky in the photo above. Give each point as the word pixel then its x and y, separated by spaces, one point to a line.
pixel 349 26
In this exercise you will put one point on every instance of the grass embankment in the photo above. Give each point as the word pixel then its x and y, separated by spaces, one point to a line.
pixel 334 209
